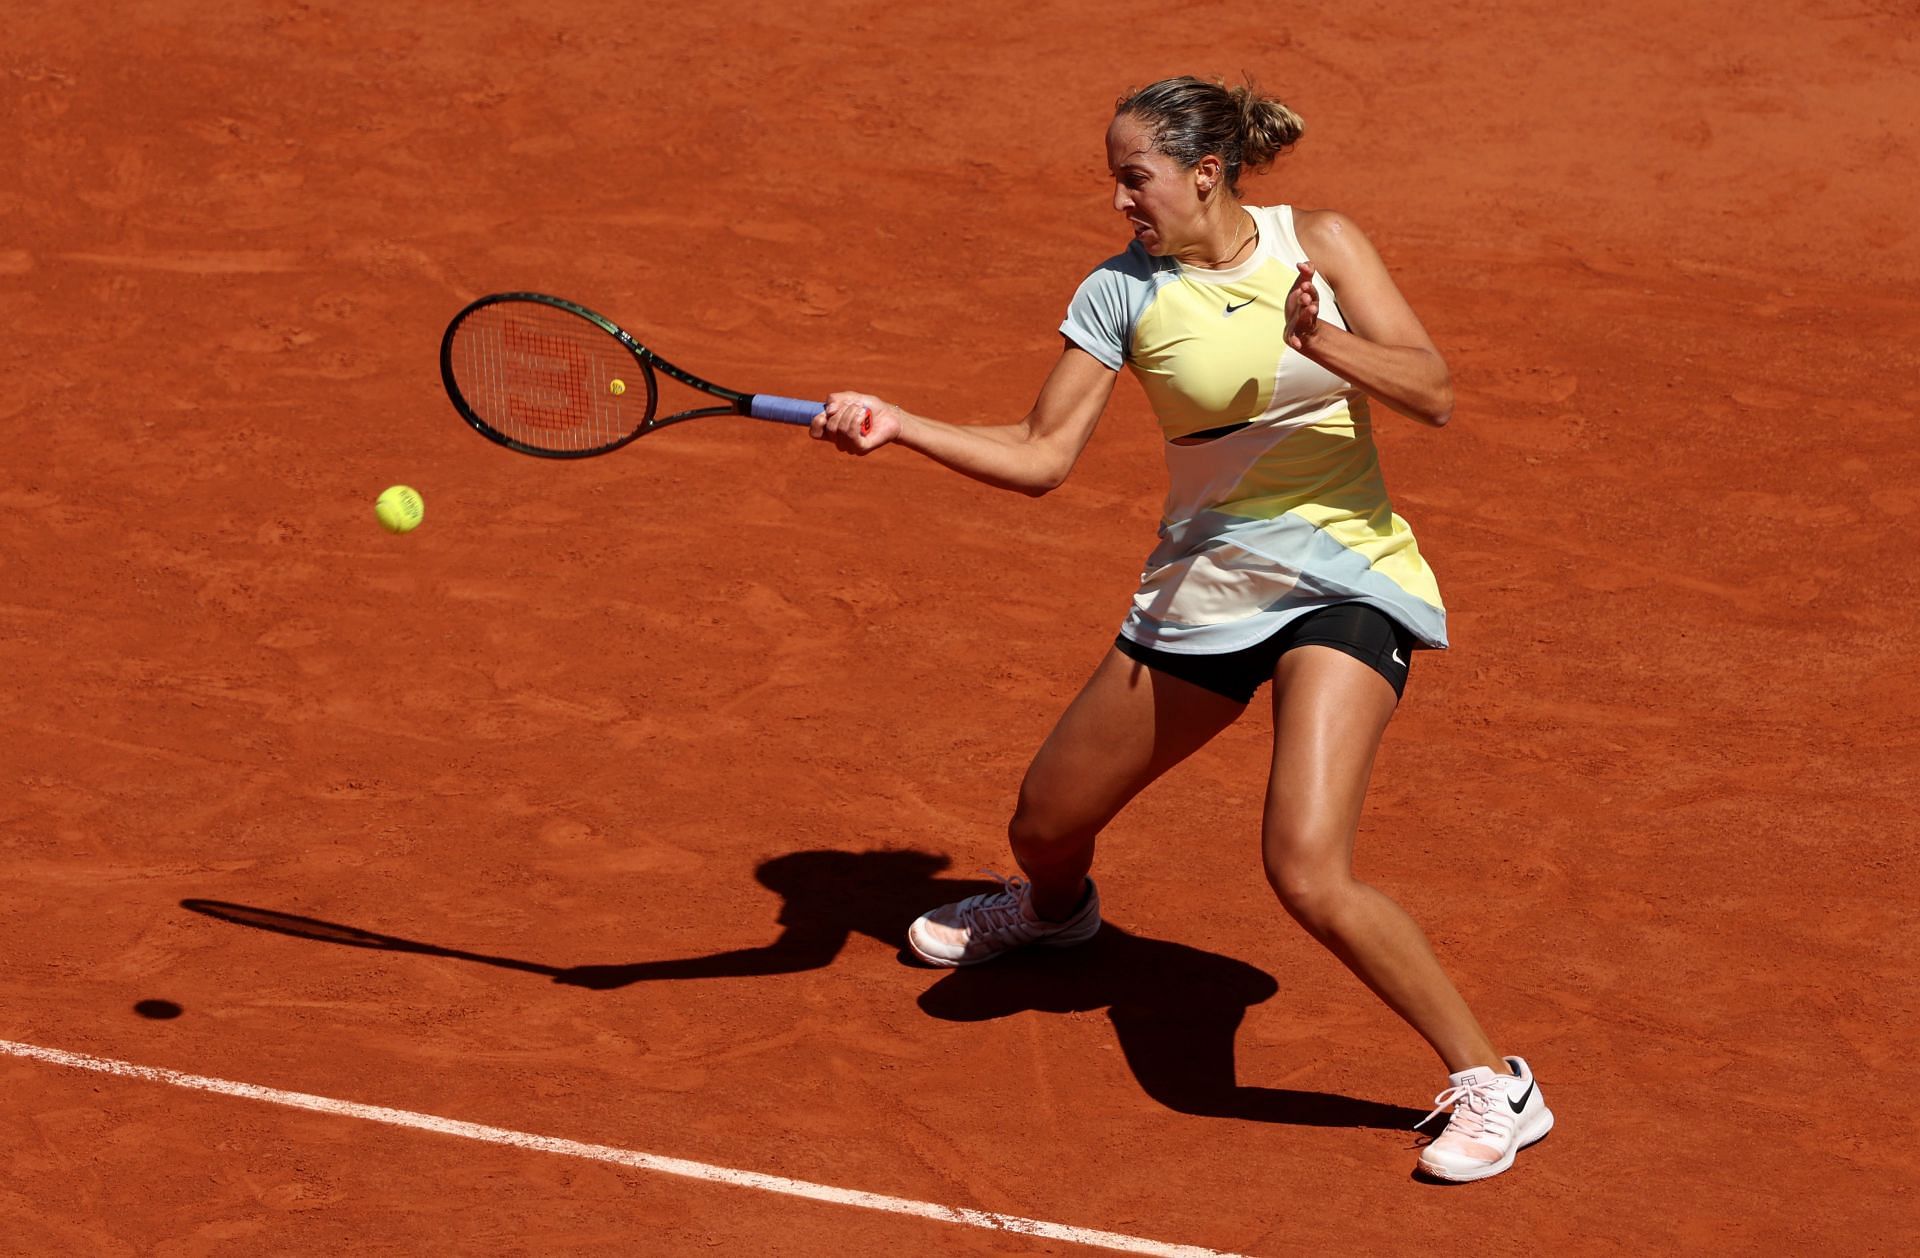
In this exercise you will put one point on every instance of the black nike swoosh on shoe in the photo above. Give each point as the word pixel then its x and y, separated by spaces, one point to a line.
pixel 1242 306
pixel 1524 1098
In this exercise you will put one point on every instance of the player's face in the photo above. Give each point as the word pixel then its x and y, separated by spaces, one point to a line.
pixel 1158 198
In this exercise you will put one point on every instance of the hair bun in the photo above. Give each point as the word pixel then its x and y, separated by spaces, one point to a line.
pixel 1267 127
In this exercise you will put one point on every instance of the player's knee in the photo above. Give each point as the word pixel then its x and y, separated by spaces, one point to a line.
pixel 1312 892
pixel 1038 834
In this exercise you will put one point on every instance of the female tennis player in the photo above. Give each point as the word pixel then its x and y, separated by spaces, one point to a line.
pixel 1261 336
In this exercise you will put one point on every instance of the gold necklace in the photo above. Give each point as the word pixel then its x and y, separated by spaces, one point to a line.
pixel 1228 261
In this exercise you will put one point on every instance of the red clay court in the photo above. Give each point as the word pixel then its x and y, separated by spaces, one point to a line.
pixel 596 809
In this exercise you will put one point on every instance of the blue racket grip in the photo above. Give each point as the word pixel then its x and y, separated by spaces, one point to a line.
pixel 785 410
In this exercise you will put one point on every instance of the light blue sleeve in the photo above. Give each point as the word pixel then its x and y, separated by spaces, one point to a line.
pixel 1101 316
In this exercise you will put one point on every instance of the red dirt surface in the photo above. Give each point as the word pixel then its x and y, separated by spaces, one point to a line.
pixel 714 692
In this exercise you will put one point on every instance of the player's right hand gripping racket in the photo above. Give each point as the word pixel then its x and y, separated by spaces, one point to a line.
pixel 548 377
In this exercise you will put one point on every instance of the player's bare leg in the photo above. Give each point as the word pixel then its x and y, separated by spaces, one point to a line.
pixel 1330 711
pixel 1127 726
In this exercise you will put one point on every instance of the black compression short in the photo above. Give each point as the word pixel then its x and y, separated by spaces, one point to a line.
pixel 1366 633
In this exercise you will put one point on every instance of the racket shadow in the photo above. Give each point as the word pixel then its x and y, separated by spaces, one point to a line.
pixel 348 936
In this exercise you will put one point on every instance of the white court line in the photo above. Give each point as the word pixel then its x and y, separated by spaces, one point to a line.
pixel 619 1157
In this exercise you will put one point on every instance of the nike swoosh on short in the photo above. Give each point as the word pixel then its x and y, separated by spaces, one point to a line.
pixel 1524 1098
pixel 1396 656
pixel 1242 306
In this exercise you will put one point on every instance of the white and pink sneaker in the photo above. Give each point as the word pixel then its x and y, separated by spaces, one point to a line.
pixel 1494 1117
pixel 982 927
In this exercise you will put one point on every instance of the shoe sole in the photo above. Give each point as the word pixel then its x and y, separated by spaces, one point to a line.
pixel 1492 1168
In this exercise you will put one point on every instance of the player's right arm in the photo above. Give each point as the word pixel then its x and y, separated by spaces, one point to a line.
pixel 1031 456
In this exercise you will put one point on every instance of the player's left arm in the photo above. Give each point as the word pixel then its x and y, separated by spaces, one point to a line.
pixel 1388 353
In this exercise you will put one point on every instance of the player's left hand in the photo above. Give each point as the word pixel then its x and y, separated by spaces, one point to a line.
pixel 857 423
pixel 1303 309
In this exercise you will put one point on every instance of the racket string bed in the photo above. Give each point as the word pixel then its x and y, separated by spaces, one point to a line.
pixel 542 376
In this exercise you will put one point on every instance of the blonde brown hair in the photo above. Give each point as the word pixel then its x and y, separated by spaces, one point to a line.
pixel 1191 118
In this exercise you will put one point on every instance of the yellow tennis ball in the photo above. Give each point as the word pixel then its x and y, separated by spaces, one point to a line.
pixel 400 509
pixel 617 387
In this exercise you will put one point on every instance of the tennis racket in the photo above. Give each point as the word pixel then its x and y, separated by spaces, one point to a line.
pixel 551 378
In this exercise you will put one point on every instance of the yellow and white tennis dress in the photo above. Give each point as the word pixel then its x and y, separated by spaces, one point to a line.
pixel 1272 520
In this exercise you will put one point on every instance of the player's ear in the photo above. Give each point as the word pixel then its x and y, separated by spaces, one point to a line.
pixel 1206 175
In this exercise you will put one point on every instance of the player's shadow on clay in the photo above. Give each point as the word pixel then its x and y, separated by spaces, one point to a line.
pixel 1175 1009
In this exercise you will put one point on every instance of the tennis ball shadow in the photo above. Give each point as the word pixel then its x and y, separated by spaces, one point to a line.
pixel 157 1010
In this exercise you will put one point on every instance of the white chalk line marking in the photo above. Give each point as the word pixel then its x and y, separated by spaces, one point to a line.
pixel 620 1157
